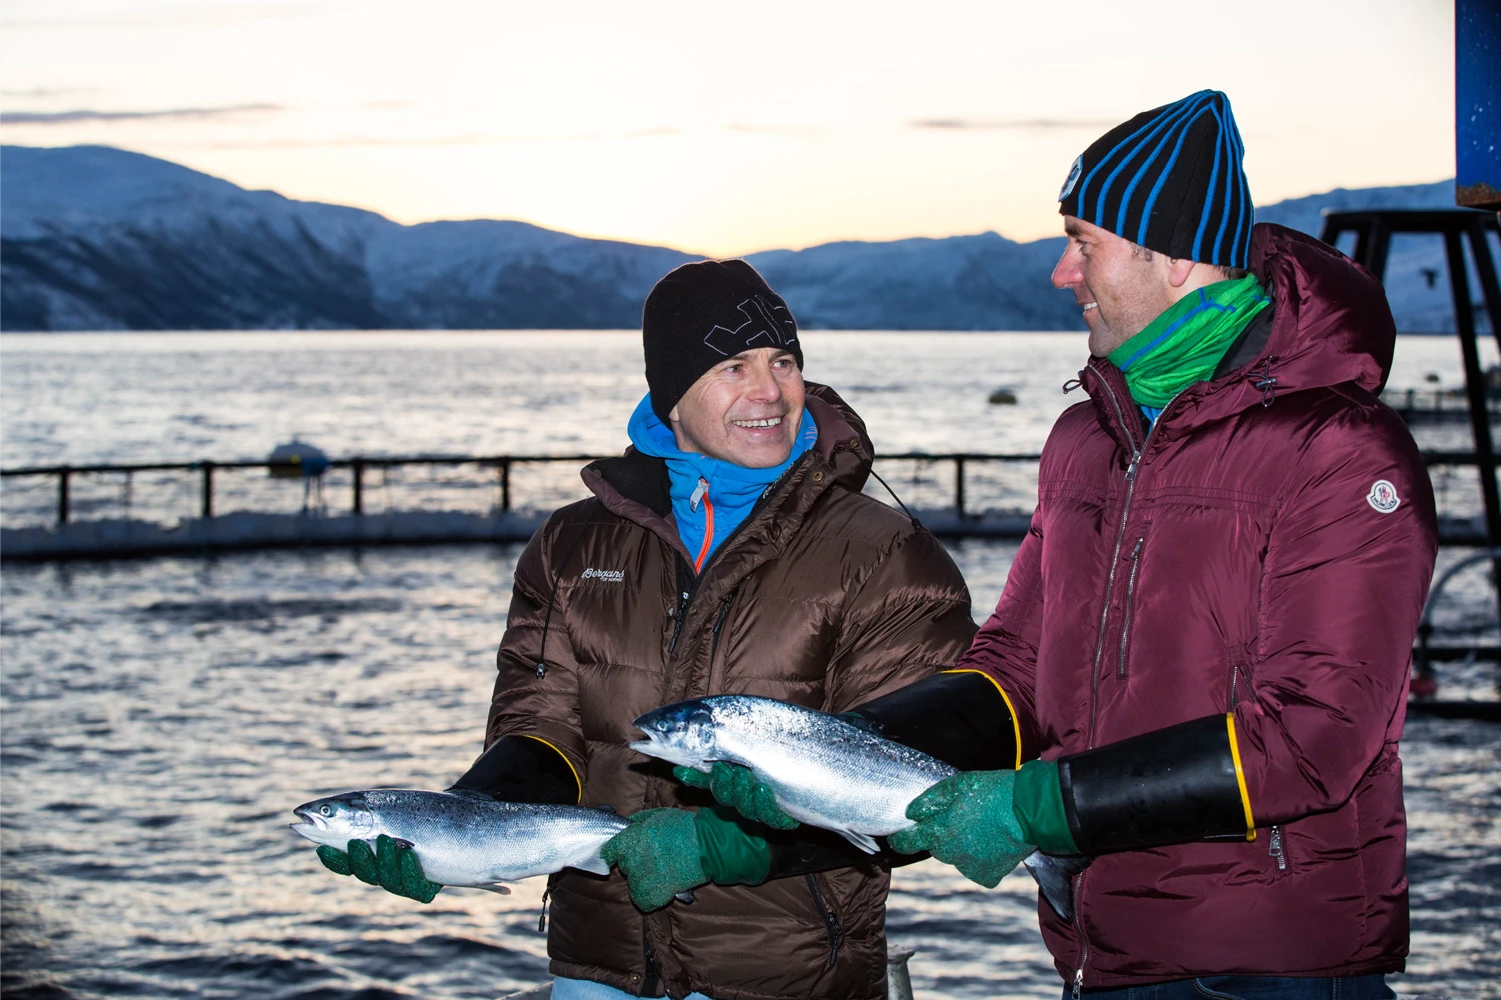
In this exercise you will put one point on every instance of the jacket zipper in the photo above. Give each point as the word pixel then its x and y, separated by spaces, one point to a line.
pixel 649 975
pixel 1094 686
pixel 1079 928
pixel 685 598
pixel 679 614
pixel 1115 556
pixel 1275 849
pixel 1099 650
pixel 1130 601
pixel 724 611
pixel 702 495
pixel 830 919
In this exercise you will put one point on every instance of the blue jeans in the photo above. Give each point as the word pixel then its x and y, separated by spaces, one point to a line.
pixel 585 989
pixel 1250 988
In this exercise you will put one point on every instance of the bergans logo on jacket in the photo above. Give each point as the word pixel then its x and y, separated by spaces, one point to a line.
pixel 607 575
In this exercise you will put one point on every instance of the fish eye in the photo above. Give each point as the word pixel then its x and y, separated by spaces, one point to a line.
pixel 327 809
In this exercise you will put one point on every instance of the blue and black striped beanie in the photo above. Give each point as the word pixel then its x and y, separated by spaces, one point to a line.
pixel 1170 180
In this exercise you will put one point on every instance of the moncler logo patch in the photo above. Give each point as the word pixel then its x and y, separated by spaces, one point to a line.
pixel 1073 178
pixel 607 575
pixel 1383 497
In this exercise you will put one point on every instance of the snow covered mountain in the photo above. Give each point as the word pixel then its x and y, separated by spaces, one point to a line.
pixel 95 238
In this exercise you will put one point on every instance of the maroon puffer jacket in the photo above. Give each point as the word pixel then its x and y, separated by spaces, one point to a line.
pixel 1265 550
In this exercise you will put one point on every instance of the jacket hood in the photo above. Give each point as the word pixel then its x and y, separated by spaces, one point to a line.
pixel 1331 325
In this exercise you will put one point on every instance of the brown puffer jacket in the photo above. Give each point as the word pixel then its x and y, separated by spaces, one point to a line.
pixel 823 597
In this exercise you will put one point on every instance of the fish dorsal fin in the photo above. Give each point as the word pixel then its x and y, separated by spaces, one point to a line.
pixel 471 793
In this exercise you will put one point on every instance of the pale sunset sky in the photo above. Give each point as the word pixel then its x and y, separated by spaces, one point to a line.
pixel 724 128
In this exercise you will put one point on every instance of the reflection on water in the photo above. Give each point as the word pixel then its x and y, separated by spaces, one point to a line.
pixel 162 717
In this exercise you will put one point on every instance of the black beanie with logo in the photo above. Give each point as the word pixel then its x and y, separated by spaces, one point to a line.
pixel 703 313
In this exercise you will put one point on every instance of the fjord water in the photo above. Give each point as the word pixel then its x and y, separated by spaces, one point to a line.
pixel 161 717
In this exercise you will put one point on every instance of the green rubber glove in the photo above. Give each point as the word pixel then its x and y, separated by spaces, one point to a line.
pixel 658 855
pixel 1038 803
pixel 665 852
pixel 392 865
pixel 736 786
pixel 967 820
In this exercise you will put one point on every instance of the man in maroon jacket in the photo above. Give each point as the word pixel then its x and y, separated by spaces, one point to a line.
pixel 1206 635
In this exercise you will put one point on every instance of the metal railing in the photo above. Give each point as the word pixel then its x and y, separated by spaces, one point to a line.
pixel 974 484
pixel 358 468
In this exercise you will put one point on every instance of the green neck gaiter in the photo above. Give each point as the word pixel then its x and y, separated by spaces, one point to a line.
pixel 1185 344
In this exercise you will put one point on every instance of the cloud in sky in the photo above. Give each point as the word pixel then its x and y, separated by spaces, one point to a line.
pixel 979 125
pixel 497 138
pixel 171 16
pixel 689 125
pixel 81 115
pixel 37 93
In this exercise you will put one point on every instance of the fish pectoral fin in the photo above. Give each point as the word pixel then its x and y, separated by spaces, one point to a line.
pixel 860 840
pixel 1054 876
pixel 407 844
pixel 504 890
pixel 684 897
pixel 594 864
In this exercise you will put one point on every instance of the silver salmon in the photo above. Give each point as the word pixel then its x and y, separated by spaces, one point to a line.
pixel 824 770
pixel 466 839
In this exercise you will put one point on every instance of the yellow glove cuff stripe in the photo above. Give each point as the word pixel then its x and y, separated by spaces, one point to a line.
pixel 1015 720
pixel 580 782
pixel 1240 777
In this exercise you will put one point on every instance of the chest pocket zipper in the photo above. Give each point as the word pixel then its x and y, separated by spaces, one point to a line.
pixel 1130 603
pixel 830 919
pixel 1276 848
pixel 724 612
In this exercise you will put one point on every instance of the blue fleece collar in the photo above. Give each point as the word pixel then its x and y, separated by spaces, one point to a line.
pixel 732 489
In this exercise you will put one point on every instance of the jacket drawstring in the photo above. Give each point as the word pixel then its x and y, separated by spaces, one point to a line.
pixel 1266 382
pixel 870 467
pixel 552 601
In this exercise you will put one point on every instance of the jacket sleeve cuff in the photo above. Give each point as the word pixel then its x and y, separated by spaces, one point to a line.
pixel 962 717
pixel 1170 786
pixel 519 768
pixel 730 848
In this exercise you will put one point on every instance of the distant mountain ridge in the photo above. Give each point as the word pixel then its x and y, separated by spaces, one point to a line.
pixel 96 238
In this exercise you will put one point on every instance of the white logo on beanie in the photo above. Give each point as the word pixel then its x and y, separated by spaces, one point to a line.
pixel 1073 177
pixel 761 320
pixel 1383 497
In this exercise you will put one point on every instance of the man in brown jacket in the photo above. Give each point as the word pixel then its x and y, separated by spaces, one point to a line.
pixel 730 551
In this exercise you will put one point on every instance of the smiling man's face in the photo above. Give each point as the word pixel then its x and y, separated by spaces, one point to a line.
pixel 1120 286
pixel 745 410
